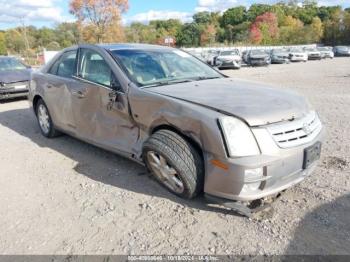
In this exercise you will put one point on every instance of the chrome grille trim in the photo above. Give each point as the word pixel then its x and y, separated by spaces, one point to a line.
pixel 297 132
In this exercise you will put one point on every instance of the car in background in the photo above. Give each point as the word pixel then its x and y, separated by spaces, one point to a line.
pixel 228 59
pixel 211 56
pixel 258 57
pixel 197 54
pixel 313 53
pixel 341 51
pixel 279 56
pixel 326 52
pixel 297 55
pixel 14 78
pixel 194 129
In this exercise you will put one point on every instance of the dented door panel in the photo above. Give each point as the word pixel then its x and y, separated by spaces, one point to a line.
pixel 103 117
pixel 59 101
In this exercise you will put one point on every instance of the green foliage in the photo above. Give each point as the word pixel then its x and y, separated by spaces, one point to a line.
pixel 234 16
pixel 189 35
pixel 3 49
pixel 257 9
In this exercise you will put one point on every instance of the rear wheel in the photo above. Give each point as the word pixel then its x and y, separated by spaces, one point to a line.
pixel 175 163
pixel 45 122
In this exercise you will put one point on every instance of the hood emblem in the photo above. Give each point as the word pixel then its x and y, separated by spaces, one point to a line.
pixel 307 129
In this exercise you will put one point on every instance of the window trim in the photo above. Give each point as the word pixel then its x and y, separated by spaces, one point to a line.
pixel 59 59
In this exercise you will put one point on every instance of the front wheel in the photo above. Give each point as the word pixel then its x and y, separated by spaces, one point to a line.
pixel 175 163
pixel 45 122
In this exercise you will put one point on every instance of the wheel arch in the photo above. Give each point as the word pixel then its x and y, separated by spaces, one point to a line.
pixel 188 138
pixel 36 99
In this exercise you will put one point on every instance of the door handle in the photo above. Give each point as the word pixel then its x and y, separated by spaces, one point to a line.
pixel 79 94
pixel 49 86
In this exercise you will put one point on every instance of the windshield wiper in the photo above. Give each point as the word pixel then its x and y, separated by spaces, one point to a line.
pixel 206 77
pixel 169 82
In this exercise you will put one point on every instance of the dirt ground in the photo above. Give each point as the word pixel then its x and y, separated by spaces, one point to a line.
pixel 63 196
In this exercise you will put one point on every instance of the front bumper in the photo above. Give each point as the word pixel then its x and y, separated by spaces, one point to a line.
pixel 7 94
pixel 13 90
pixel 230 64
pixel 281 169
pixel 280 60
pixel 259 62
pixel 314 57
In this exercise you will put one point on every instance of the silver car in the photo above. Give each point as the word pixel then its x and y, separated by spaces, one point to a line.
pixel 228 59
pixel 195 129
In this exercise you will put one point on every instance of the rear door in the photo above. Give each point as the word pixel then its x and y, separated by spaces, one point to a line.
pixel 58 84
pixel 100 104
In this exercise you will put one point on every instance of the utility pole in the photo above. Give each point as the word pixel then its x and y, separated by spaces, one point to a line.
pixel 26 43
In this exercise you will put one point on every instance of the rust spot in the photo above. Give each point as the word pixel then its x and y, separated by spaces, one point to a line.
pixel 219 164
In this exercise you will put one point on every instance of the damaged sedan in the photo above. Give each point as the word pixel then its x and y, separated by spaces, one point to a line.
pixel 14 78
pixel 193 128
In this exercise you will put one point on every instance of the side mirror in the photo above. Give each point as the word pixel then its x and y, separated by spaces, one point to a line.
pixel 217 63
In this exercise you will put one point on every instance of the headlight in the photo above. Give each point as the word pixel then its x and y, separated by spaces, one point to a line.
pixel 239 138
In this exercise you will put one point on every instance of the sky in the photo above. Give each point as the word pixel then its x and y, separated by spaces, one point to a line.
pixel 50 12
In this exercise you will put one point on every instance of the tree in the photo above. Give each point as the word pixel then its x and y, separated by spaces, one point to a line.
pixel 14 41
pixel 189 35
pixel 3 49
pixel 67 34
pixel 291 31
pixel 256 10
pixel 100 17
pixel 234 16
pixel 208 35
pixel 316 29
pixel 140 33
pixel 202 18
pixel 264 30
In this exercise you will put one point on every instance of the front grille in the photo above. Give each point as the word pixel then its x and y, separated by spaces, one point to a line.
pixel 15 85
pixel 296 132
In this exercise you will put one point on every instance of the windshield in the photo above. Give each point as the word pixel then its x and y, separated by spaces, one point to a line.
pixel 323 49
pixel 296 50
pixel 258 52
pixel 279 51
pixel 162 66
pixel 9 64
pixel 228 53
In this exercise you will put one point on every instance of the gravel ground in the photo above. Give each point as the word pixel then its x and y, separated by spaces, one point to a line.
pixel 63 196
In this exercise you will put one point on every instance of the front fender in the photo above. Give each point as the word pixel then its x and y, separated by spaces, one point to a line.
pixel 152 110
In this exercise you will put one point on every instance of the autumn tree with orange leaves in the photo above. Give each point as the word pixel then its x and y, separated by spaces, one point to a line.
pixel 265 29
pixel 99 20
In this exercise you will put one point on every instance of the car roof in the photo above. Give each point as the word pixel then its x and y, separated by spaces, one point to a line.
pixel 112 47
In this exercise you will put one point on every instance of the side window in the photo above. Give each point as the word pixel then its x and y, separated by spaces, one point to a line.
pixel 94 68
pixel 65 66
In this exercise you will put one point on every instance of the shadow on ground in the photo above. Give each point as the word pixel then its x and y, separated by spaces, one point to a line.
pixel 96 163
pixel 324 231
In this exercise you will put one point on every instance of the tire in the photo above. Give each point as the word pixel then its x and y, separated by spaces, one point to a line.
pixel 166 152
pixel 46 126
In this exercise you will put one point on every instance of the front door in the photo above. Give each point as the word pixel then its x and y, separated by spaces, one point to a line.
pixel 100 105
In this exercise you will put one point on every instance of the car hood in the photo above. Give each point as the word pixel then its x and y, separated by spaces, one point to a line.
pixel 253 102
pixel 280 54
pixel 229 57
pixel 298 53
pixel 14 76
pixel 259 56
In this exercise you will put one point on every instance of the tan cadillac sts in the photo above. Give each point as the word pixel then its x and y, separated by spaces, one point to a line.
pixel 195 129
